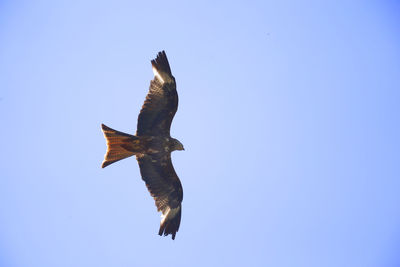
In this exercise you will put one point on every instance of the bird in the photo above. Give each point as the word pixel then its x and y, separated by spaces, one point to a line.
pixel 152 145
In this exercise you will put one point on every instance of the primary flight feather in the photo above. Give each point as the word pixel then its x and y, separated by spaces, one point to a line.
pixel 153 145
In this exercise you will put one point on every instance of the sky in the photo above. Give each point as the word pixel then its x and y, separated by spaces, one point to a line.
pixel 289 114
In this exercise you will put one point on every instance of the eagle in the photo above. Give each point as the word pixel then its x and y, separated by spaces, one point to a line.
pixel 152 145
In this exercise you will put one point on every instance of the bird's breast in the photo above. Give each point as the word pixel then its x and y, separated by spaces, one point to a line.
pixel 155 144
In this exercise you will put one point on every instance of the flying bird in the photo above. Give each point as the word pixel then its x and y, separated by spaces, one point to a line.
pixel 152 145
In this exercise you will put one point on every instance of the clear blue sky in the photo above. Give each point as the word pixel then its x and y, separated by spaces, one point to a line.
pixel 289 113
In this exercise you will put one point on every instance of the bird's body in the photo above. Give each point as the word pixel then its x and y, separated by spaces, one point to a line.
pixel 153 145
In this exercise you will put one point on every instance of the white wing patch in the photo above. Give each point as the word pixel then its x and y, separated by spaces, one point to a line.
pixel 169 214
pixel 158 76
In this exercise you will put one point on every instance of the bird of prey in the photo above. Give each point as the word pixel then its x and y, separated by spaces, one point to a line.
pixel 152 145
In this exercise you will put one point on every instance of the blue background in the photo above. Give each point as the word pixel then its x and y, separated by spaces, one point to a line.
pixel 289 113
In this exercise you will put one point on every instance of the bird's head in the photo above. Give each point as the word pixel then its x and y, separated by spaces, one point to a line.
pixel 177 145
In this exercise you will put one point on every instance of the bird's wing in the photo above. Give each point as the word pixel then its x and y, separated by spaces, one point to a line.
pixel 161 102
pixel 165 187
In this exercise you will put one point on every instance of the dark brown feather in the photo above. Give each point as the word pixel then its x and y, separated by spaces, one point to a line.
pixel 161 102
pixel 170 225
pixel 161 180
pixel 164 186
pixel 161 63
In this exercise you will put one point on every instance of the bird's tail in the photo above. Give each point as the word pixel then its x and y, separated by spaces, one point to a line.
pixel 170 221
pixel 119 145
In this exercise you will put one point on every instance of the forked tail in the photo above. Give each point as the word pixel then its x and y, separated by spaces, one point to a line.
pixel 119 145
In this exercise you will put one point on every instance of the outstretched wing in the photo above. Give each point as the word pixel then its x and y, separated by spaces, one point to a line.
pixel 161 102
pixel 166 189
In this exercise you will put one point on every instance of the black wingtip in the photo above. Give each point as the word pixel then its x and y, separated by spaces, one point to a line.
pixel 161 63
pixel 171 224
